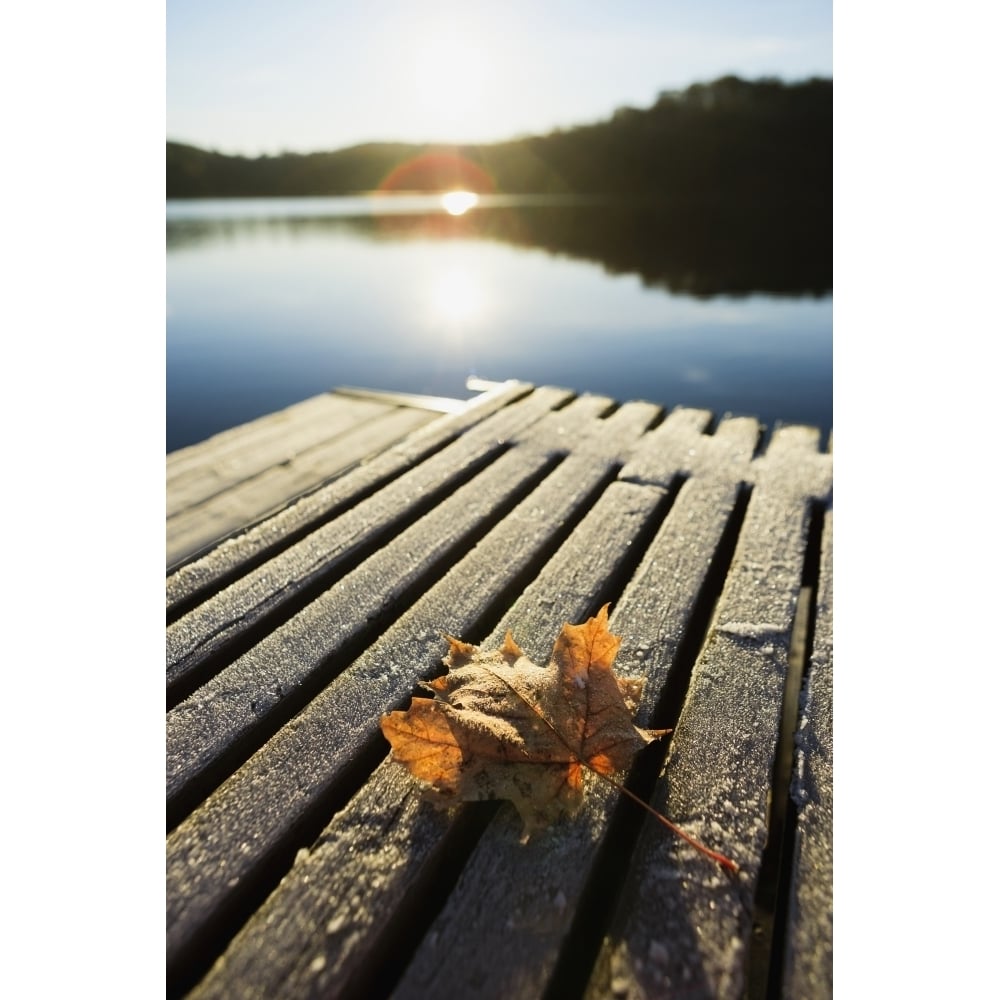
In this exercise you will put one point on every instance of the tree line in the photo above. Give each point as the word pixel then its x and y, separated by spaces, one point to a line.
pixel 763 142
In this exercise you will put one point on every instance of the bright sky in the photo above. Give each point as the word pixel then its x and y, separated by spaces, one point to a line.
pixel 262 76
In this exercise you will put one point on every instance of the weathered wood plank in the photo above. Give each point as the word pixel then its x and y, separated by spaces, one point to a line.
pixel 414 840
pixel 204 470
pixel 682 927
pixel 223 714
pixel 248 547
pixel 313 936
pixel 185 459
pixel 507 921
pixel 809 938
pixel 247 501
pixel 531 532
pixel 218 622
pixel 214 856
pixel 328 947
pixel 682 443
pixel 413 836
pixel 226 711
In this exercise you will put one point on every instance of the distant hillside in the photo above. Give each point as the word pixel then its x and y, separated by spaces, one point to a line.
pixel 196 173
pixel 763 141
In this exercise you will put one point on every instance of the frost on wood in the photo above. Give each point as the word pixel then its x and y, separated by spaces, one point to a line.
pixel 501 727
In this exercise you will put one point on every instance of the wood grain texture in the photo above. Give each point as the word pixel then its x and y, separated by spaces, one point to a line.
pixel 223 618
pixel 212 855
pixel 254 542
pixel 682 927
pixel 305 862
pixel 225 711
pixel 301 468
pixel 809 941
pixel 201 470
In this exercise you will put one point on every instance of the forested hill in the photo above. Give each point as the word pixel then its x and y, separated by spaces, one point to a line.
pixel 763 140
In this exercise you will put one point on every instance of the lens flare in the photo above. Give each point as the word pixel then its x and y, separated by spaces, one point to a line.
pixel 439 170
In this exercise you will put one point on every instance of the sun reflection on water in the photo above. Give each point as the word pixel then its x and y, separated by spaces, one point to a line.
pixel 457 298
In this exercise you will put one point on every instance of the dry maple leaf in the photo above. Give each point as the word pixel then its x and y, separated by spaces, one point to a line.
pixel 502 727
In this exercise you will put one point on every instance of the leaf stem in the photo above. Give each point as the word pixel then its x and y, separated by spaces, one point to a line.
pixel 726 863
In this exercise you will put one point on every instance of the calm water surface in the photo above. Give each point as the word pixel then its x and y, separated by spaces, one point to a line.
pixel 270 301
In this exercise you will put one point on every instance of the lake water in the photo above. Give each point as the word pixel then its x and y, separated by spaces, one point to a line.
pixel 270 301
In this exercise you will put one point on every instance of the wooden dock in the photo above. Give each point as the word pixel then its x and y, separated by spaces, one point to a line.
pixel 231 480
pixel 313 565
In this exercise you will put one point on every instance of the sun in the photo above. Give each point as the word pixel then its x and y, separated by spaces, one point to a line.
pixel 459 202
